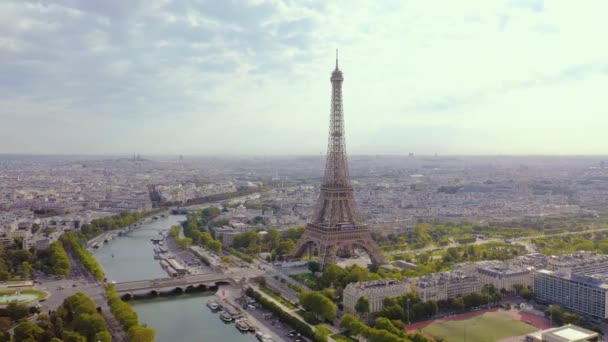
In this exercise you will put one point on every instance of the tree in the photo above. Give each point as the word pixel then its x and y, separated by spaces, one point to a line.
pixel 103 336
pixel 273 237
pixel 517 288
pixel 215 246
pixel 321 333
pixel 5 323
pixel 72 336
pixel 362 305
pixel 314 267
pixel 285 247
pixel 16 311
pixel 318 304
pixel 352 325
pixel 141 333
pixel 27 331
pixel 26 269
pixel 332 274
pixel 526 293
pixel 89 325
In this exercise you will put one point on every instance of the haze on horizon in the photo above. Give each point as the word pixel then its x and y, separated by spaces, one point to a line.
pixel 252 77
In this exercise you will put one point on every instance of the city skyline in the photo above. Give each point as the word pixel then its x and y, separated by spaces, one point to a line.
pixel 168 78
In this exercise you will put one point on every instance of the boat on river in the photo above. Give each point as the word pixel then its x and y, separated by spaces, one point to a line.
pixel 242 325
pixel 213 305
pixel 226 317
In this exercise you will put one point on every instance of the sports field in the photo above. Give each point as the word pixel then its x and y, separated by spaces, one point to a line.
pixel 490 326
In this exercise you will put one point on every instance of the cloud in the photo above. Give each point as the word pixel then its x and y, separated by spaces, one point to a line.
pixel 251 77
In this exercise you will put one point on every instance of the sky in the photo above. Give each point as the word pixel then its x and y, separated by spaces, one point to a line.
pixel 251 77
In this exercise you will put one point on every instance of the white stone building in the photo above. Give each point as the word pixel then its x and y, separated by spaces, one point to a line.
pixel 375 291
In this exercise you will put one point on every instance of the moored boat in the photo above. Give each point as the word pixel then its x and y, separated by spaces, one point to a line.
pixel 213 305
pixel 226 317
pixel 242 325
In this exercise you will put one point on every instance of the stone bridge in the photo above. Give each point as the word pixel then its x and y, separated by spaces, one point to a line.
pixel 188 283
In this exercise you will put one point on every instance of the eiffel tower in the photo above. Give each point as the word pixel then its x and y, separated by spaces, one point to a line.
pixel 336 226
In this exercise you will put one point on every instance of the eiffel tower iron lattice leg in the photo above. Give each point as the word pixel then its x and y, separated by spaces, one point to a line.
pixel 336 225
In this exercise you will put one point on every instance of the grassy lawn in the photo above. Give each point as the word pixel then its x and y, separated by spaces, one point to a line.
pixel 39 294
pixel 307 278
pixel 482 328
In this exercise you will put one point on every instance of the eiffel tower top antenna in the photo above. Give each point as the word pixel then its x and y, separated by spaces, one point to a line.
pixel 336 59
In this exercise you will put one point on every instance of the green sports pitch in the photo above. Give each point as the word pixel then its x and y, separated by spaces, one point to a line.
pixel 487 327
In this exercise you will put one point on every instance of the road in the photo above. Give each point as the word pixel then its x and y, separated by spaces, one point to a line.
pixel 79 280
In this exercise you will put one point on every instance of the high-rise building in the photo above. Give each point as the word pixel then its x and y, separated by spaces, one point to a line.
pixel 583 289
pixel 336 226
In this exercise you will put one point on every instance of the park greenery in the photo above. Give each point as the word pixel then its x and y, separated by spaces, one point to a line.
pixel 201 228
pixel 274 242
pixel 127 317
pixel 75 320
pixel 73 241
pixel 18 263
pixel 37 293
pixel 441 260
pixel 337 277
pixel 440 234
pixel 122 220
pixel 557 245
pixel 317 304
pixel 384 330
pixel 196 227
pixel 11 314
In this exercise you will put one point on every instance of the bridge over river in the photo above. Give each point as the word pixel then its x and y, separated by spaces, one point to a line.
pixel 179 284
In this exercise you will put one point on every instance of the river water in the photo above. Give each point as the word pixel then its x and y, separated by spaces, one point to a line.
pixel 183 318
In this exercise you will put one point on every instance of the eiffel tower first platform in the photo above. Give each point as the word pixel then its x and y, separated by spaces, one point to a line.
pixel 336 226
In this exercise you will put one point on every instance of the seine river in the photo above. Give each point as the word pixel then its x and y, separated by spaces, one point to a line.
pixel 177 318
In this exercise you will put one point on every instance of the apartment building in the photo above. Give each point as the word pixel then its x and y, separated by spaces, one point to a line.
pixel 375 291
pixel 445 285
pixel 581 290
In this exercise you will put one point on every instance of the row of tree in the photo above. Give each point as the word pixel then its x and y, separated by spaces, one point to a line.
pixel 181 242
pixel 122 220
pixel 560 316
pixel 127 317
pixel 283 316
pixel 73 240
pixel 55 260
pixel 411 308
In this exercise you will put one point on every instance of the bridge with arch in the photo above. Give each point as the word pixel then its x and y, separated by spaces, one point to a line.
pixel 187 283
